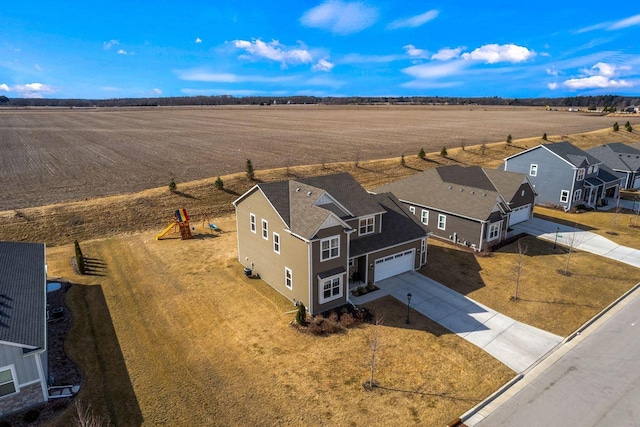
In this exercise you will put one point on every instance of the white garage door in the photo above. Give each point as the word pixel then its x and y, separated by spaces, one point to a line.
pixel 519 214
pixel 394 264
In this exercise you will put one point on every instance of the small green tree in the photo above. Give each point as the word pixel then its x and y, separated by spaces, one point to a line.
pixel 627 124
pixel 172 185
pixel 422 154
pixel 79 257
pixel 249 170
pixel 402 161
pixel 219 183
pixel 616 128
pixel 443 152
pixel 544 136
pixel 509 139
pixel 301 315
pixel 629 128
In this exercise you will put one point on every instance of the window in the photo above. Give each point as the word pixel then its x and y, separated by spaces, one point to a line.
pixel 564 196
pixel 330 289
pixel 533 170
pixel 580 174
pixel 442 222
pixel 522 194
pixel 265 229
pixel 494 231
pixel 425 217
pixel 577 194
pixel 7 384
pixel 366 226
pixel 412 209
pixel 288 278
pixel 590 170
pixel 252 220
pixel 595 168
pixel 276 243
pixel 330 248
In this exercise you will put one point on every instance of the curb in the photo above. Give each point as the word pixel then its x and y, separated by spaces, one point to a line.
pixel 473 411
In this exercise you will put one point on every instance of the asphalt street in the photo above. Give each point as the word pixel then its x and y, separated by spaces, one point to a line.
pixel 596 381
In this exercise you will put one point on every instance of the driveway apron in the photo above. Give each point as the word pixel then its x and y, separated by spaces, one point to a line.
pixel 513 343
pixel 582 240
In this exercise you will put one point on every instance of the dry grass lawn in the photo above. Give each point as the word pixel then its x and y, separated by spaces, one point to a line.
pixel 554 302
pixel 171 332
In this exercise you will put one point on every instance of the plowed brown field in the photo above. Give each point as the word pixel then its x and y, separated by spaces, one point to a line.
pixel 51 156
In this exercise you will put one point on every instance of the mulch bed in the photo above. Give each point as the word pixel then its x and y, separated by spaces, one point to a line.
pixel 62 371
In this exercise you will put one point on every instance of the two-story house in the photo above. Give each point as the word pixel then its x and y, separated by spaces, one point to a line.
pixel 564 175
pixel 308 238
pixel 471 206
pixel 622 159
pixel 23 326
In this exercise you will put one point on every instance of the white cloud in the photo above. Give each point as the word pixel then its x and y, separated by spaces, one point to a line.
pixel 273 51
pixel 33 90
pixel 595 82
pixel 323 65
pixel 624 23
pixel 122 52
pixel 340 17
pixel 356 58
pixel 445 54
pixel 4 87
pixel 108 45
pixel 435 71
pixel 199 75
pixel 198 40
pixel 604 69
pixel 493 53
pixel 552 71
pixel 414 52
pixel 37 67
pixel 157 91
pixel 414 21
pixel 324 80
pixel 552 86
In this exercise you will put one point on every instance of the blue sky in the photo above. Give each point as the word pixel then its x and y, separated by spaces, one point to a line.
pixel 100 49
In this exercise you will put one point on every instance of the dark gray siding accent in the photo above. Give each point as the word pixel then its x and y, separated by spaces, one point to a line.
pixel 521 200
pixel 465 230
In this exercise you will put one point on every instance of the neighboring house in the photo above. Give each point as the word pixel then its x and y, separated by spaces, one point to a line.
pixel 310 238
pixel 622 159
pixel 564 175
pixel 23 326
pixel 471 206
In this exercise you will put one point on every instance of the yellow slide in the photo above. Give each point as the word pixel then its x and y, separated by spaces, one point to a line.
pixel 166 230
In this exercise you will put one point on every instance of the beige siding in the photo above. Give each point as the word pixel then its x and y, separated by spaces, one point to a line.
pixel 252 248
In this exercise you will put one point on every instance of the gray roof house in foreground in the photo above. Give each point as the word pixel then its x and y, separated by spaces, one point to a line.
pixel 622 159
pixel 311 238
pixel 472 206
pixel 564 175
pixel 23 326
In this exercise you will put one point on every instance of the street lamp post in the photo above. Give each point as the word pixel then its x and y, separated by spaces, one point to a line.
pixel 408 305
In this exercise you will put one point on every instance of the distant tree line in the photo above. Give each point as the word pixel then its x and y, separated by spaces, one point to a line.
pixel 587 102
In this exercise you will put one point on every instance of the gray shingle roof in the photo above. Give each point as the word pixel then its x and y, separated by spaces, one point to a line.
pixel 618 156
pixel 299 201
pixel 398 226
pixel 470 192
pixel 23 294
pixel 571 153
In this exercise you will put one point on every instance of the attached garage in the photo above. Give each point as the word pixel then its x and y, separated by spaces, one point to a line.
pixel 395 264
pixel 519 214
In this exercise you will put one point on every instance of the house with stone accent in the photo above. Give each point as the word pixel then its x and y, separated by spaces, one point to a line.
pixel 470 206
pixel 23 326
pixel 313 238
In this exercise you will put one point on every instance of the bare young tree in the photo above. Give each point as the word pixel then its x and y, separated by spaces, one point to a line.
pixel 522 250
pixel 483 148
pixel 573 241
pixel 614 217
pixel 87 417
pixel 374 345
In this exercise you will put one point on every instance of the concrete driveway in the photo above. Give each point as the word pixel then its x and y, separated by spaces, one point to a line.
pixel 582 240
pixel 513 343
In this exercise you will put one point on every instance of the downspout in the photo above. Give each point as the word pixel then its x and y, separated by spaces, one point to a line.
pixel 573 186
pixel 482 230
pixel 311 283
pixel 41 374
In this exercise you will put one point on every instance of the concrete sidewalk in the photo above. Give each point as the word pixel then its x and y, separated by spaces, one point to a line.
pixel 582 240
pixel 513 343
